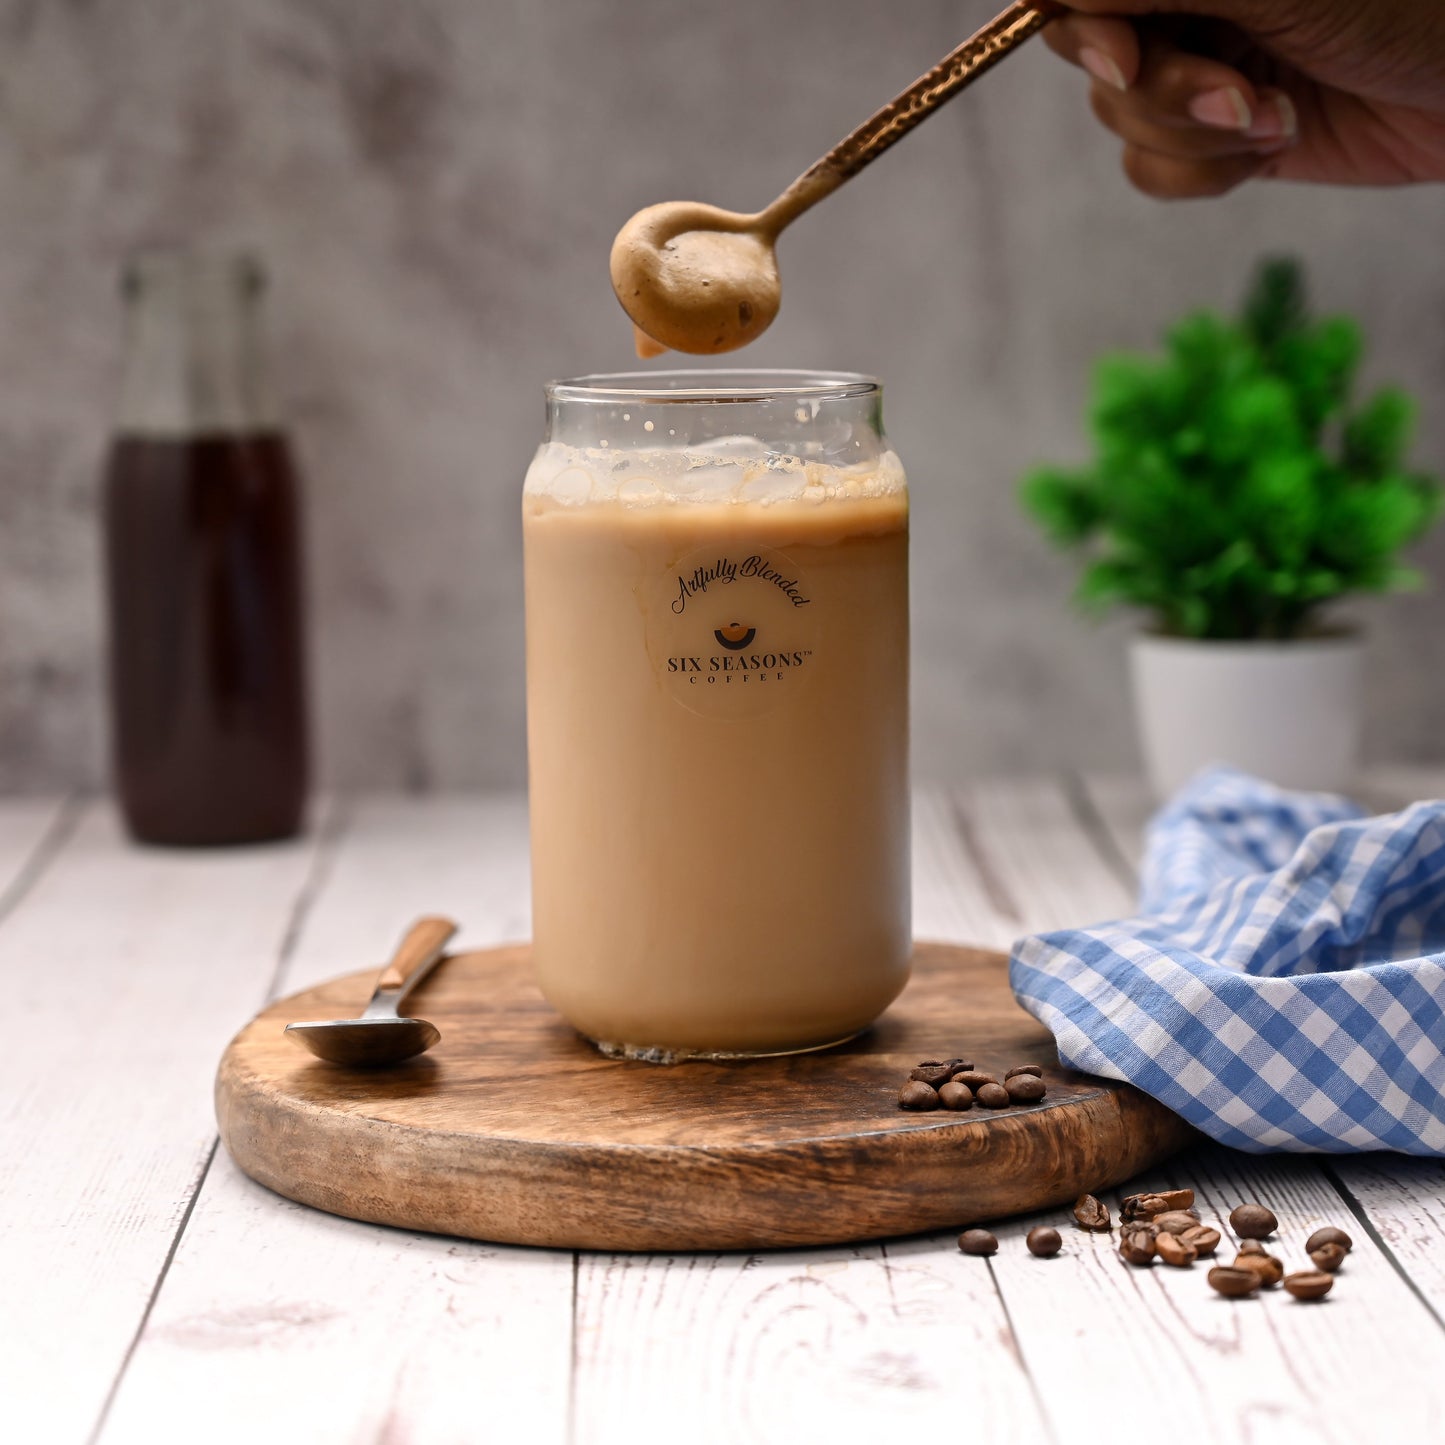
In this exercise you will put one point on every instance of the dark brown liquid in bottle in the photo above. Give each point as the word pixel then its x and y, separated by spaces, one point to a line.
pixel 204 572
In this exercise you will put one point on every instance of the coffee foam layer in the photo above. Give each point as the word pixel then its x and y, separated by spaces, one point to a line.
pixel 731 469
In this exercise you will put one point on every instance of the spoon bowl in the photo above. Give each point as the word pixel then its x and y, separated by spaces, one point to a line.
pixel 365 1043
pixel 381 1035
pixel 696 278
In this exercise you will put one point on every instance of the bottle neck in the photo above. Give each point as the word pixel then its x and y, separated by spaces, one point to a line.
pixel 193 348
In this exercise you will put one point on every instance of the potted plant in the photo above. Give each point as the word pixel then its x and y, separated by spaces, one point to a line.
pixel 1238 489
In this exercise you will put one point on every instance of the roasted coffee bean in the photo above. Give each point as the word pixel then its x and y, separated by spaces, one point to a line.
pixel 1178 1199
pixel 974 1079
pixel 1091 1214
pixel 1161 1201
pixel 917 1095
pixel 1253 1221
pixel 977 1241
pixel 1025 1089
pixel 1175 1221
pixel 1309 1284
pixel 1233 1283
pixel 1044 1242
pixel 932 1074
pixel 1269 1269
pixel 1136 1244
pixel 954 1095
pixel 1251 1246
pixel 1173 1250
pixel 992 1096
pixel 1328 1257
pixel 1329 1235
pixel 1143 1206
pixel 1036 1070
pixel 1202 1239
pixel 940 1073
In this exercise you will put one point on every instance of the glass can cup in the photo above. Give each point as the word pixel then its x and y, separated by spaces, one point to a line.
pixel 717 711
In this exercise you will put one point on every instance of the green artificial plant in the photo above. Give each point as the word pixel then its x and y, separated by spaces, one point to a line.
pixel 1237 485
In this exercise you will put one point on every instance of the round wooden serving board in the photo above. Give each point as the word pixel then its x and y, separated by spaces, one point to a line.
pixel 514 1129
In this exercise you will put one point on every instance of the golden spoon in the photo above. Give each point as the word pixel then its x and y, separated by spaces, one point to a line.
pixel 700 279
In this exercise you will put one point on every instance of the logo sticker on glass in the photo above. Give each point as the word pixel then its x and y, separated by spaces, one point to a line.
pixel 735 633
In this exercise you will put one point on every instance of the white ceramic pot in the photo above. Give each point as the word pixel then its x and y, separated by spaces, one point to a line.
pixel 1285 711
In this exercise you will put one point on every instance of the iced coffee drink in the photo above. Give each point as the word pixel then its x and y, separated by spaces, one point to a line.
pixel 717 700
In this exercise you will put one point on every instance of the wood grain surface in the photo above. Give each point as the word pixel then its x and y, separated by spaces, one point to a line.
pixel 151 1285
pixel 515 1130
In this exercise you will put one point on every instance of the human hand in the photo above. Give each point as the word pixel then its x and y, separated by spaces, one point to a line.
pixel 1206 94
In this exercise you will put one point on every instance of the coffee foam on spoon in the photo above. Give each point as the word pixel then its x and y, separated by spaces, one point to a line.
pixel 644 345
pixel 695 278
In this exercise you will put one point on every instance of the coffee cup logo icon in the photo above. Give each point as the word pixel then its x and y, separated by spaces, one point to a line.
pixel 735 636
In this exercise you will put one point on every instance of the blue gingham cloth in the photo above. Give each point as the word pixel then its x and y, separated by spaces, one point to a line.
pixel 1283 985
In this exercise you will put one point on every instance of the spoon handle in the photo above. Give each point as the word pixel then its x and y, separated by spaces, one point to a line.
pixel 960 67
pixel 416 953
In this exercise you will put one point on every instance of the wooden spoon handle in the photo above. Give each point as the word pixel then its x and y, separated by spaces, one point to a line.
pixel 421 948
pixel 960 67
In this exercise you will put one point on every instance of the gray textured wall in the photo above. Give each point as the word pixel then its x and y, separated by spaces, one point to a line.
pixel 436 184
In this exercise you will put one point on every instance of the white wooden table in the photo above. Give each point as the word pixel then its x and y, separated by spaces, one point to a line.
pixel 150 1293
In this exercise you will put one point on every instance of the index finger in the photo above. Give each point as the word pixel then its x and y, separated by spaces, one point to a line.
pixel 1108 48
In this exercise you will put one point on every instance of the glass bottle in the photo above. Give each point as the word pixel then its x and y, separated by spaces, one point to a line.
pixel 717 711
pixel 203 566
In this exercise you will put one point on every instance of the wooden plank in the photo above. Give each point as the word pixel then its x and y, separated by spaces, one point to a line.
pixel 1118 1351
pixel 1042 860
pixel 463 856
pixel 279 1322
pixel 32 833
pixel 1114 810
pixel 1402 1201
pixel 848 1344
pixel 841 1345
pixel 276 1321
pixel 951 900
pixel 126 969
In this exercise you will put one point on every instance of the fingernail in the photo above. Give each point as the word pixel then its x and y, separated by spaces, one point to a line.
pixel 1277 120
pixel 1102 67
pixel 1225 108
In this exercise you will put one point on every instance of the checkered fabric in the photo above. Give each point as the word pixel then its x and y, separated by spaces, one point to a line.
pixel 1283 986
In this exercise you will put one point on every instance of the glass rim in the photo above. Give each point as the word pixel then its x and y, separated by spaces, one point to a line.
pixel 714 386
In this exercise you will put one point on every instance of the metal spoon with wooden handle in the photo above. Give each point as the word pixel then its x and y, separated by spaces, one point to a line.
pixel 381 1035
pixel 700 279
